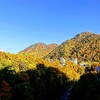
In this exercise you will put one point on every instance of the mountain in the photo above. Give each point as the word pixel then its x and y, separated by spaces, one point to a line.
pixel 39 49
pixel 84 47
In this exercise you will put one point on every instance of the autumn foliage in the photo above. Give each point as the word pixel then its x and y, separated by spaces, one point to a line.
pixel 35 76
pixel 84 47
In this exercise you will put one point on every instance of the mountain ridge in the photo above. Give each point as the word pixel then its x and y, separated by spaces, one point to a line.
pixel 84 46
pixel 39 49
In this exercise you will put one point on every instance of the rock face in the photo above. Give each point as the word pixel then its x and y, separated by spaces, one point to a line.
pixel 84 47
pixel 39 49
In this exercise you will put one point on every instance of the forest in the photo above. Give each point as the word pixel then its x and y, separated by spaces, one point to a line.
pixel 84 47
pixel 26 76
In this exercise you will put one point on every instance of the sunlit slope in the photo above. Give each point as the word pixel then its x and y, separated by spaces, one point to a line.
pixel 84 46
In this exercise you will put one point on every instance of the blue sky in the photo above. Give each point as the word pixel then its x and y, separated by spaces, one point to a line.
pixel 25 22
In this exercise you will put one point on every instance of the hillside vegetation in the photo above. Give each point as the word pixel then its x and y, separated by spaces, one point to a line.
pixel 39 49
pixel 84 47
pixel 25 77
pixel 28 76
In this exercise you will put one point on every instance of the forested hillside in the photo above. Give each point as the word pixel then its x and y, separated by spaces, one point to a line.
pixel 39 49
pixel 84 47
pixel 25 77
pixel 28 76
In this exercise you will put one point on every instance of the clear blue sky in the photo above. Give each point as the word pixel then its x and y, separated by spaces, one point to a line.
pixel 25 22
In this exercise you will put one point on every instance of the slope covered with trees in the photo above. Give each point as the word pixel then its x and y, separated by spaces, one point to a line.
pixel 24 77
pixel 84 47
pixel 39 49
pixel 22 62
pixel 27 76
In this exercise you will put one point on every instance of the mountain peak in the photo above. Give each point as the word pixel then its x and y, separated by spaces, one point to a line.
pixel 84 46
pixel 84 34
pixel 40 49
